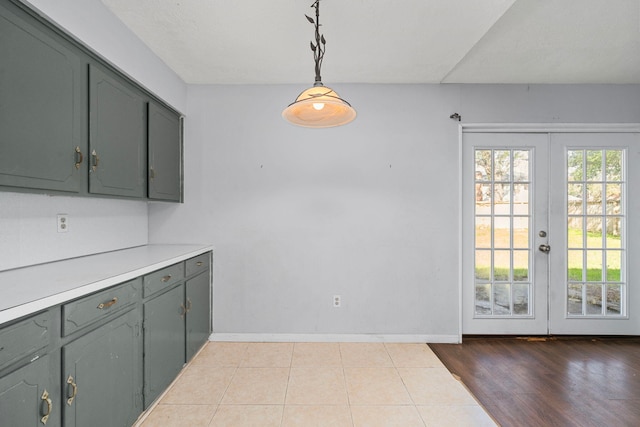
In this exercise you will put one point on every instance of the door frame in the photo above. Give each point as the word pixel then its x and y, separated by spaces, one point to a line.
pixel 517 128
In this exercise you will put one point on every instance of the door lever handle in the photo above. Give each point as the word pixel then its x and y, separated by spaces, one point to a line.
pixel 544 248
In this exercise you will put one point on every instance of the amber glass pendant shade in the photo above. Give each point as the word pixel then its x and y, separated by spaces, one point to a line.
pixel 319 107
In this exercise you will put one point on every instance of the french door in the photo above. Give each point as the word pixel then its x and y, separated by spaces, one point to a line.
pixel 550 231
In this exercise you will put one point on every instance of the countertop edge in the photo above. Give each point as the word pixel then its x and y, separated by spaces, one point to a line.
pixel 15 312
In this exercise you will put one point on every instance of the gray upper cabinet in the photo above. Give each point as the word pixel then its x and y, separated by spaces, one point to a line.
pixel 42 107
pixel 70 122
pixel 165 154
pixel 117 136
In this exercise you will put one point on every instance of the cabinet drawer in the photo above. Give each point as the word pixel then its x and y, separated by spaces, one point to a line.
pixel 197 264
pixel 24 338
pixel 80 313
pixel 161 279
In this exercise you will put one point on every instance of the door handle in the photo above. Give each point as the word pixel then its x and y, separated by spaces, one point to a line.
pixel 544 248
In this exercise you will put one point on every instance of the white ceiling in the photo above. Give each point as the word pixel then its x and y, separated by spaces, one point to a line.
pixel 392 41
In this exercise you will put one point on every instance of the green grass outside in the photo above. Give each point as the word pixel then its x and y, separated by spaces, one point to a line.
pixel 575 260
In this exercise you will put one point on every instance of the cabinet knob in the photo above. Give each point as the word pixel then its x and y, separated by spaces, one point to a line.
pixel 45 398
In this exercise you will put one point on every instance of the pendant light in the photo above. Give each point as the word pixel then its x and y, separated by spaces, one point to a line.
pixel 319 106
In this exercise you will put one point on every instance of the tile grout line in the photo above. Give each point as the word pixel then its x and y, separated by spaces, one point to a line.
pixel 395 366
pixel 346 387
pixel 235 371
pixel 286 391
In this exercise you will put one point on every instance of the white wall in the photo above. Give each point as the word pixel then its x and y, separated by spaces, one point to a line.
pixel 368 211
pixel 27 221
pixel 28 227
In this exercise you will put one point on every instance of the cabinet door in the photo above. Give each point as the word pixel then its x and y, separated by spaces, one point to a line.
pixel 41 106
pixel 164 341
pixel 198 315
pixel 165 154
pixel 102 375
pixel 117 136
pixel 30 396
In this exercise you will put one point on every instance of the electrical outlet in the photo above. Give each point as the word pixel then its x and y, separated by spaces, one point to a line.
pixel 63 223
pixel 337 301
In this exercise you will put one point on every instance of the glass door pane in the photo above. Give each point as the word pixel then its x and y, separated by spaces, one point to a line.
pixel 596 284
pixel 502 233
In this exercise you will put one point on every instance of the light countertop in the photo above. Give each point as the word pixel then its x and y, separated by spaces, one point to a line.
pixel 29 289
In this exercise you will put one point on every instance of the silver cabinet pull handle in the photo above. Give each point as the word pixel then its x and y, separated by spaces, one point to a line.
pixel 166 278
pixel 199 263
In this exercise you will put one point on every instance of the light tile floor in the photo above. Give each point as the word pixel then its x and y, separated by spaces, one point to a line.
pixel 316 384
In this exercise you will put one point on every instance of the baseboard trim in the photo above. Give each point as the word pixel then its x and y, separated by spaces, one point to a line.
pixel 389 338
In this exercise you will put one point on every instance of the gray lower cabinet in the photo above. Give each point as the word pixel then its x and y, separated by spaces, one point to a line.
pixel 117 136
pixel 102 375
pixel 101 359
pixel 30 396
pixel 42 106
pixel 177 320
pixel 198 318
pixel 165 154
pixel 30 372
pixel 164 341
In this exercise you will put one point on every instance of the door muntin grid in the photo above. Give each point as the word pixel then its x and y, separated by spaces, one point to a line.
pixel 503 286
pixel 596 217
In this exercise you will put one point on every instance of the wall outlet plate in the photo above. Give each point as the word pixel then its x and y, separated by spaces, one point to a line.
pixel 63 223
pixel 337 301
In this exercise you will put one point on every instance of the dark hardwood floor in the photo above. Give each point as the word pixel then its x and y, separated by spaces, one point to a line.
pixel 550 381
